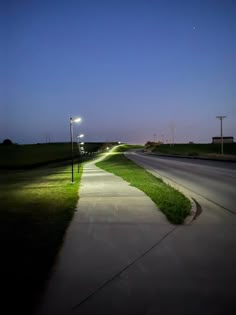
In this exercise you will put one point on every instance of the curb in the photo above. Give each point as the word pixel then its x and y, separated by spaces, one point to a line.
pixel 194 211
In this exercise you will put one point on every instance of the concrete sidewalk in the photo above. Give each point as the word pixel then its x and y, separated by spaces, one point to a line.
pixel 114 224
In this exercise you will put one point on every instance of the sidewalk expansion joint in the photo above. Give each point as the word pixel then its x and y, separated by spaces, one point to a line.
pixel 123 269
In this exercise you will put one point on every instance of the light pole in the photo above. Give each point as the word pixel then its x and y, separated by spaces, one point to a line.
pixel 81 144
pixel 172 133
pixel 72 150
pixel 78 137
pixel 79 149
pixel 221 132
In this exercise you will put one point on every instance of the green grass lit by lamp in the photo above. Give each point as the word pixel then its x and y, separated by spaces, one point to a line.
pixel 171 202
pixel 36 209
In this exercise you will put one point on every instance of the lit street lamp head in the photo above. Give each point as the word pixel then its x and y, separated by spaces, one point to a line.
pixel 76 120
pixel 80 136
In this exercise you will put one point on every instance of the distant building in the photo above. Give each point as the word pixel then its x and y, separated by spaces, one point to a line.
pixel 225 139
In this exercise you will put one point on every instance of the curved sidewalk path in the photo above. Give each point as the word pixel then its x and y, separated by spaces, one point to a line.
pixel 114 226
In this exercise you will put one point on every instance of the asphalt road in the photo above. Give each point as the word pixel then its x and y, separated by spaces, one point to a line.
pixel 213 180
pixel 199 259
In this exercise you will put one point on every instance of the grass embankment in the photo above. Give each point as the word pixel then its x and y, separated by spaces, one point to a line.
pixel 36 208
pixel 33 155
pixel 171 202
pixel 193 149
pixel 23 156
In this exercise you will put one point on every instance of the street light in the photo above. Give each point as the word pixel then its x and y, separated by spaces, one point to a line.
pixel 79 148
pixel 75 120
pixel 221 132
pixel 78 137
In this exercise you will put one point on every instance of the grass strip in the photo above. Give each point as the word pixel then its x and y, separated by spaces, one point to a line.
pixel 192 149
pixel 36 209
pixel 171 202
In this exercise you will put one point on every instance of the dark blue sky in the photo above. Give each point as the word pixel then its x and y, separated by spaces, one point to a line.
pixel 130 69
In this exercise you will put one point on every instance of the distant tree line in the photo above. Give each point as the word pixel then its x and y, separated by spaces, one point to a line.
pixel 7 142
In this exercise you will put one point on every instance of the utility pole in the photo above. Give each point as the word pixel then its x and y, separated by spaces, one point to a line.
pixel 162 138
pixel 172 133
pixel 221 132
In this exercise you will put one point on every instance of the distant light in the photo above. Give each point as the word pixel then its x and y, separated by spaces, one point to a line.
pixel 80 136
pixel 82 143
pixel 77 119
pixel 107 148
pixel 119 142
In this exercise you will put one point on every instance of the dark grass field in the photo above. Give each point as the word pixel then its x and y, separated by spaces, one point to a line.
pixel 33 155
pixel 36 209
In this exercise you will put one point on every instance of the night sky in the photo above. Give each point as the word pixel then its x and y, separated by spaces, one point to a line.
pixel 133 70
